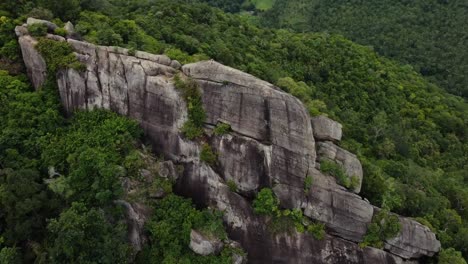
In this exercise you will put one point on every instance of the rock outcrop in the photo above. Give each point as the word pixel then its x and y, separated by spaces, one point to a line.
pixel 348 161
pixel 204 245
pixel 272 144
pixel 326 129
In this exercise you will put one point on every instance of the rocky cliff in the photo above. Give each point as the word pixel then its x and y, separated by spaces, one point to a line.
pixel 272 143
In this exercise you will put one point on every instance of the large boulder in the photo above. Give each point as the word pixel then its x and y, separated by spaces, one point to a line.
pixel 414 241
pixel 204 245
pixel 260 111
pixel 326 129
pixel 347 160
pixel 35 64
pixel 50 26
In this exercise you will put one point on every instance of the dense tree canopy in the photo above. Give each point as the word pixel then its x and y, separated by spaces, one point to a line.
pixel 429 35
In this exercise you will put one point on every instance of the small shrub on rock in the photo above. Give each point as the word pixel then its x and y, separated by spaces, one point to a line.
pixel 37 30
pixel 207 155
pixel 222 129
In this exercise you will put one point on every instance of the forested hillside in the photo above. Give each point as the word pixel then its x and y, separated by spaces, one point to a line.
pixel 410 134
pixel 429 35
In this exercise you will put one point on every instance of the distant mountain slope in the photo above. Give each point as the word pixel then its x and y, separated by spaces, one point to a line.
pixel 432 36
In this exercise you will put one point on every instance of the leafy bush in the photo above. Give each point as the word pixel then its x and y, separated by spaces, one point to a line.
pixel 58 55
pixel 9 255
pixel 41 13
pixel 61 32
pixel 83 235
pixel 384 226
pixel 232 185
pixel 170 228
pixel 308 183
pixel 450 256
pixel 266 203
pixel 337 171
pixel 37 30
pixel 193 128
pixel 222 129
pixel 207 155
pixel 281 221
pixel 317 230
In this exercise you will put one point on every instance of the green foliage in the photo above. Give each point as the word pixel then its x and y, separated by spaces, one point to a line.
pixel 41 13
pixel 64 9
pixel 266 203
pixel 207 155
pixel 90 152
pixel 222 129
pixel 232 185
pixel 58 55
pixel 384 226
pixel 191 131
pixel 9 47
pixel 170 228
pixel 308 183
pixel 337 171
pixel 37 30
pixel 84 235
pixel 193 128
pixel 317 230
pixel 9 256
pixel 450 256
pixel 61 32
pixel 383 25
pixel 280 221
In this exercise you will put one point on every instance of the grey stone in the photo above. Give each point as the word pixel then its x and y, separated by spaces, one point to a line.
pixel 176 65
pixel 35 64
pixel 326 129
pixel 414 241
pixel 137 215
pixel 21 31
pixel 69 28
pixel 168 170
pixel 50 26
pixel 56 37
pixel 204 245
pixel 258 110
pixel 350 163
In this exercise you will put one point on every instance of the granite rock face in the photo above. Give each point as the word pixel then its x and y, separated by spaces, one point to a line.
pixel 326 129
pixel 348 161
pixel 272 145
pixel 414 241
pixel 203 245
pixel 35 64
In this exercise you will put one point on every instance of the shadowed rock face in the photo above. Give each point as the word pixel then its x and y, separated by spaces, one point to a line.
pixel 271 145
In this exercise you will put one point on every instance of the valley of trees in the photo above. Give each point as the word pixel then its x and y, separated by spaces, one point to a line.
pixel 431 36
pixel 410 134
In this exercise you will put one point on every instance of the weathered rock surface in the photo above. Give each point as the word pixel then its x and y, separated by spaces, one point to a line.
pixel 35 64
pixel 271 145
pixel 203 245
pixel 414 241
pixel 137 215
pixel 258 110
pixel 326 129
pixel 50 26
pixel 350 163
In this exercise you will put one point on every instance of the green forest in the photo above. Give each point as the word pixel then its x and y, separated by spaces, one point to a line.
pixel 431 36
pixel 395 92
